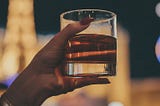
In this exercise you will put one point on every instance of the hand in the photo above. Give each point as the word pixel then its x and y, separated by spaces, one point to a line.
pixel 43 77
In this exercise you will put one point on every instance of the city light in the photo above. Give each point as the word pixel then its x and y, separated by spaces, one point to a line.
pixel 157 49
pixel 157 9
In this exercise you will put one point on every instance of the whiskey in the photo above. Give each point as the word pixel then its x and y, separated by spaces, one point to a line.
pixel 91 50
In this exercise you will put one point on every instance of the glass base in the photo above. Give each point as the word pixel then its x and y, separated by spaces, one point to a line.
pixel 90 69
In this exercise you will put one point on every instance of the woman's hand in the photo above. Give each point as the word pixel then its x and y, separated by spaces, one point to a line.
pixel 43 77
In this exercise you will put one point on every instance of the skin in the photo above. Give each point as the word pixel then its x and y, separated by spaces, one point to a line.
pixel 43 77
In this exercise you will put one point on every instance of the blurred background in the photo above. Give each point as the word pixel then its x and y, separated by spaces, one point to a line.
pixel 27 25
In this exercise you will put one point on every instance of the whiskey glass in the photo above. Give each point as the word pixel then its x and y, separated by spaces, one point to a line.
pixel 92 52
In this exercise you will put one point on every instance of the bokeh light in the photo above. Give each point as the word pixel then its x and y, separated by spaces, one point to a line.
pixel 157 9
pixel 115 104
pixel 157 49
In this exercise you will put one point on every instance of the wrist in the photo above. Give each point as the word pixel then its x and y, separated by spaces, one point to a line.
pixel 4 101
pixel 29 97
pixel 28 90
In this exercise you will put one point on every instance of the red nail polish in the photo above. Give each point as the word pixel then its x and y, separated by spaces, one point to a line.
pixel 86 21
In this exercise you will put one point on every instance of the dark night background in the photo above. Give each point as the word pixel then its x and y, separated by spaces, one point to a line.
pixel 137 16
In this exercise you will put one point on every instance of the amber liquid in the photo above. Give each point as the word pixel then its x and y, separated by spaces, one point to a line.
pixel 91 49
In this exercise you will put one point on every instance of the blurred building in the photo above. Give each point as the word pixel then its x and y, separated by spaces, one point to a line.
pixel 20 38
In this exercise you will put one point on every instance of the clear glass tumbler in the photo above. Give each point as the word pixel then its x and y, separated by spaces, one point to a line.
pixel 92 52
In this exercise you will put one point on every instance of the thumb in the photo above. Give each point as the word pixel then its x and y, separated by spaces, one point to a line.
pixel 70 30
pixel 81 82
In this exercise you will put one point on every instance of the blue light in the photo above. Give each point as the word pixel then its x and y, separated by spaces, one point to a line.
pixel 9 80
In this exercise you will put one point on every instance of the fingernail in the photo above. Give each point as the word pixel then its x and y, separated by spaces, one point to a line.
pixel 107 81
pixel 86 21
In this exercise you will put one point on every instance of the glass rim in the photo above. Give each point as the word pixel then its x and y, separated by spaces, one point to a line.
pixel 90 9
